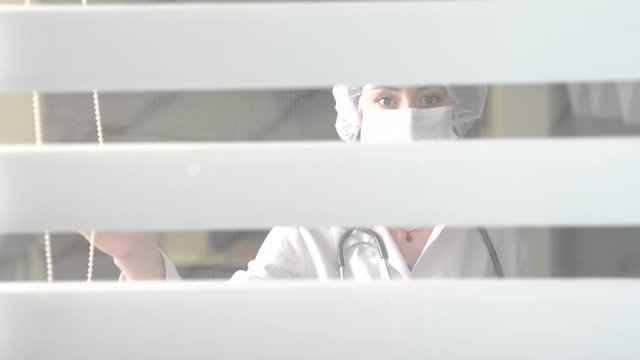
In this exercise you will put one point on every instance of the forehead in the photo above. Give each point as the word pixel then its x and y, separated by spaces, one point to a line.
pixel 403 88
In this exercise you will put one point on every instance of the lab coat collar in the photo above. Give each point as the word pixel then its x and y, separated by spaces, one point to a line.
pixel 396 261
pixel 434 235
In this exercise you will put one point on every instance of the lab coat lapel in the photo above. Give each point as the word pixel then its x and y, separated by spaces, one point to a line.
pixel 434 235
pixel 424 261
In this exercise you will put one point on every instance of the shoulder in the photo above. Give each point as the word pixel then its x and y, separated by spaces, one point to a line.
pixel 301 237
pixel 506 240
pixel 512 248
pixel 298 233
pixel 508 243
pixel 499 236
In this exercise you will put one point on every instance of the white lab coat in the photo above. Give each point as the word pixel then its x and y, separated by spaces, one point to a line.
pixel 311 253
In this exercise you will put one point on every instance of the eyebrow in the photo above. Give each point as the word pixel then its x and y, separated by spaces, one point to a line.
pixel 383 87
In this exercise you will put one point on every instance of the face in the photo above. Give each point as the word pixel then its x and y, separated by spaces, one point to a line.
pixel 420 113
pixel 382 97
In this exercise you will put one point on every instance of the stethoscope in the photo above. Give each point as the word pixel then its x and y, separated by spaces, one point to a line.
pixel 384 255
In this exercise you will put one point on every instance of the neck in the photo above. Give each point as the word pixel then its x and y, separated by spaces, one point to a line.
pixel 411 250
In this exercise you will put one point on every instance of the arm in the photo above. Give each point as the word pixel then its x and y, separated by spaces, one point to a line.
pixel 281 256
pixel 136 254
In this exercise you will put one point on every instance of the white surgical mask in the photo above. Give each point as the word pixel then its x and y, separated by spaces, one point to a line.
pixel 406 125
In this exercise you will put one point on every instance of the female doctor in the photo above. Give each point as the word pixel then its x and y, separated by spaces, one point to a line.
pixel 370 114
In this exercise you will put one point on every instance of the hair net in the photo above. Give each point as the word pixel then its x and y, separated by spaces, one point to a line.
pixel 467 101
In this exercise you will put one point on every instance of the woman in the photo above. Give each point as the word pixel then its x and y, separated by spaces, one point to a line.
pixel 369 114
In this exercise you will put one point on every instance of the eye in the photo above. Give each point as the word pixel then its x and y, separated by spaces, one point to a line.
pixel 385 101
pixel 430 100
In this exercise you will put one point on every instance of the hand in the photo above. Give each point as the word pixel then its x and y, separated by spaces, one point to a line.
pixel 136 254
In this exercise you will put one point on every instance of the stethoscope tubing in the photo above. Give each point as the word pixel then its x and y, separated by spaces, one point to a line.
pixel 384 255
